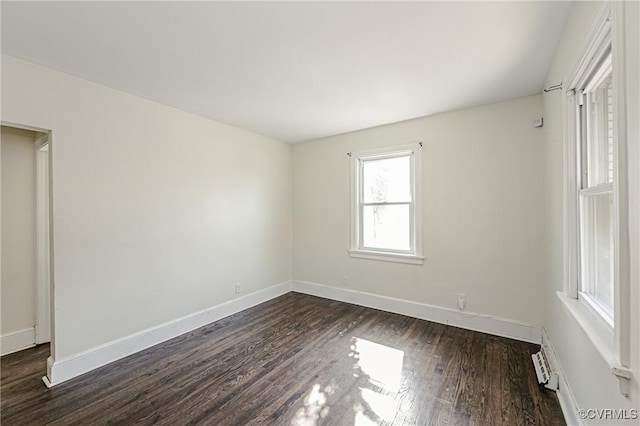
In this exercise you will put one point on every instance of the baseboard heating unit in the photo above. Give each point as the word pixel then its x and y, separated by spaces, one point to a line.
pixel 543 371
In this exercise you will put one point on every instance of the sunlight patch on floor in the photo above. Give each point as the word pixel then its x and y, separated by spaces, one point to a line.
pixel 384 406
pixel 382 364
pixel 382 367
pixel 361 419
pixel 314 408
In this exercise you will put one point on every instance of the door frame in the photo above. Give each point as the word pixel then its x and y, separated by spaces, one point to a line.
pixel 43 287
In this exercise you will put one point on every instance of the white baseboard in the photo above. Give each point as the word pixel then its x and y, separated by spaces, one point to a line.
pixel 566 398
pixel 61 370
pixel 17 341
pixel 471 321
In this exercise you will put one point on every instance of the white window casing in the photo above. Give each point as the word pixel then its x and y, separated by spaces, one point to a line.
pixel 593 187
pixel 401 239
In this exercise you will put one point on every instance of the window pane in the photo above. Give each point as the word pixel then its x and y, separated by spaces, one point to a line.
pixel 599 103
pixel 387 180
pixel 597 248
pixel 386 227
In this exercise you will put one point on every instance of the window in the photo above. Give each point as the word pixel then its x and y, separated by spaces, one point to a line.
pixel 595 140
pixel 386 204
pixel 591 171
pixel 596 228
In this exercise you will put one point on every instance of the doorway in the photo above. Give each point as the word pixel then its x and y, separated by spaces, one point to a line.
pixel 25 238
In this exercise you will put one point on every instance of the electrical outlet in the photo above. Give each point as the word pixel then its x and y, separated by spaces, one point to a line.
pixel 345 280
pixel 237 288
pixel 462 301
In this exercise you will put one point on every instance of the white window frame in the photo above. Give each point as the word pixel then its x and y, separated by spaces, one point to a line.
pixel 357 250
pixel 601 59
pixel 612 340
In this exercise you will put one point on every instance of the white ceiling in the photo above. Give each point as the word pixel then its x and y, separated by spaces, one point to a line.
pixel 296 70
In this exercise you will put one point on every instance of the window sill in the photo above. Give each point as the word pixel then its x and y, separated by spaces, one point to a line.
pixel 388 257
pixel 600 335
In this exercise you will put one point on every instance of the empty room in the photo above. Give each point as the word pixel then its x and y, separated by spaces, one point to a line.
pixel 320 213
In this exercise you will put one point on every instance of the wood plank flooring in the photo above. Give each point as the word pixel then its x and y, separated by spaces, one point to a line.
pixel 295 360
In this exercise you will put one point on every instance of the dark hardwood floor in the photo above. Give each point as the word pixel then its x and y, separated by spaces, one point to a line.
pixel 295 360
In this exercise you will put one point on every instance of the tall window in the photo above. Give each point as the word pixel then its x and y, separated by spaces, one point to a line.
pixel 596 227
pixel 595 189
pixel 386 204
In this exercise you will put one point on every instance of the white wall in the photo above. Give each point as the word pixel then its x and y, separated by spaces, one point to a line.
pixel 483 214
pixel 586 371
pixel 18 230
pixel 157 213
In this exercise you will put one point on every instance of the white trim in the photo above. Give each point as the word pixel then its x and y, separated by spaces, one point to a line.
pixel 607 27
pixel 42 142
pixel 43 315
pixel 601 314
pixel 67 368
pixel 468 320
pixel 597 190
pixel 17 341
pixel 622 260
pixel 567 399
pixel 45 379
pixel 415 254
pixel 59 371
pixel 388 256
pixel 570 169
pixel 598 34
pixel 23 126
pixel 601 337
